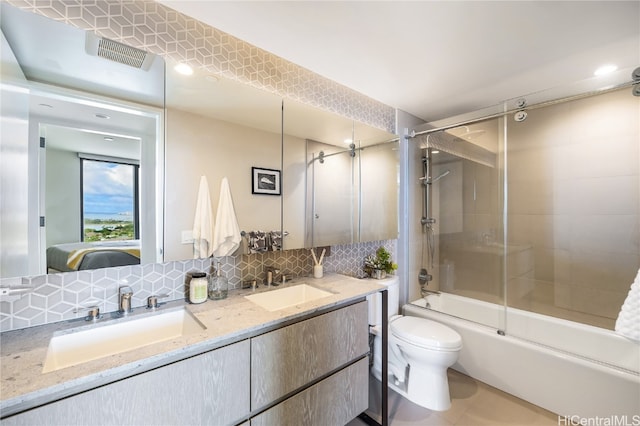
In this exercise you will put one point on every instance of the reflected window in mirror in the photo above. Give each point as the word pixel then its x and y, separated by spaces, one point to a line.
pixel 109 200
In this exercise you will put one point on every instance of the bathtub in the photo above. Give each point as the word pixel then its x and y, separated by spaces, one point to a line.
pixel 571 369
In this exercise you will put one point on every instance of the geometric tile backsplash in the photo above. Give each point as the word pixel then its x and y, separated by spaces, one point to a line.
pixel 59 297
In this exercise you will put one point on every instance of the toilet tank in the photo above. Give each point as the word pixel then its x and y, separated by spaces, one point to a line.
pixel 375 300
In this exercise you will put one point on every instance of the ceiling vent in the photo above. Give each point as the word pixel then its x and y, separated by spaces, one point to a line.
pixel 118 52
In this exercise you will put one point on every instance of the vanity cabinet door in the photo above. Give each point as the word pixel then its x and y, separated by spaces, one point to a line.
pixel 212 388
pixel 335 400
pixel 291 357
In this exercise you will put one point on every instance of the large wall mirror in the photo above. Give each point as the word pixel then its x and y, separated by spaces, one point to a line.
pixel 221 128
pixel 91 150
pixel 171 129
pixel 218 128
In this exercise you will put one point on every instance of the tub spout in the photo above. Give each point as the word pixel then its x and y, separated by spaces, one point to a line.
pixel 424 292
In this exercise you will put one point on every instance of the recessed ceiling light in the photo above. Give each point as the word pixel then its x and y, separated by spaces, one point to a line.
pixel 605 69
pixel 348 141
pixel 46 105
pixel 183 68
pixel 435 151
pixel 212 78
pixel 108 138
pixel 103 116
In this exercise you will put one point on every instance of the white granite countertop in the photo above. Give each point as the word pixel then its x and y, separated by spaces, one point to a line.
pixel 23 352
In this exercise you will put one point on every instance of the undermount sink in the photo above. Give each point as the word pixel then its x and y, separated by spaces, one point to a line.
pixel 275 300
pixel 113 337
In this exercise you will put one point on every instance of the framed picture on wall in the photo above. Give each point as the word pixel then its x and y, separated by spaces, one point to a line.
pixel 265 181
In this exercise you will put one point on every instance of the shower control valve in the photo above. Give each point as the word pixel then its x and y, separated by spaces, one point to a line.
pixel 427 220
pixel 424 277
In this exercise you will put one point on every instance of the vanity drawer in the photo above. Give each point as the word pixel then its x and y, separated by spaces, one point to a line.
pixel 335 400
pixel 214 385
pixel 291 357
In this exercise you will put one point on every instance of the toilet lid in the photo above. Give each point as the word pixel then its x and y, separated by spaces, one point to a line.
pixel 426 333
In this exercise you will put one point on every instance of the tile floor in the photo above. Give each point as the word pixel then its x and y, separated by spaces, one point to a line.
pixel 473 403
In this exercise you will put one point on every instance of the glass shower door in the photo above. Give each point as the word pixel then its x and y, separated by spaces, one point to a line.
pixel 574 200
pixel 466 204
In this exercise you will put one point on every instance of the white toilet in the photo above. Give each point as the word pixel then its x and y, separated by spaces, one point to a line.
pixel 420 352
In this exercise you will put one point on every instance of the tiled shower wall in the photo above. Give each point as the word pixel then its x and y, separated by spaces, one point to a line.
pixel 58 297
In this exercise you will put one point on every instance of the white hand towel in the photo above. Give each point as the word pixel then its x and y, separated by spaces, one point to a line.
pixel 226 238
pixel 628 322
pixel 203 229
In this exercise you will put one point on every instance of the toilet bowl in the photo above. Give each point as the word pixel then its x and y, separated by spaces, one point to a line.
pixel 420 352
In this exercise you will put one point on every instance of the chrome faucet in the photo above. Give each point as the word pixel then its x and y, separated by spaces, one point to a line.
pixel 272 273
pixel 125 293
pixel 424 292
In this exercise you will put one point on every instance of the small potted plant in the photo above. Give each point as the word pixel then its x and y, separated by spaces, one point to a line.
pixel 379 265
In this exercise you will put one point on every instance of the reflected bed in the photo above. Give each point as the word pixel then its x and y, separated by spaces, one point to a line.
pixel 101 254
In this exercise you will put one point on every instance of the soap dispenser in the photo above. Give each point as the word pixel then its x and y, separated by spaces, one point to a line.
pixel 218 284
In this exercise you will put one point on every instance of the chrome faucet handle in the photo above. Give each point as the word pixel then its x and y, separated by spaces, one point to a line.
pixel 278 277
pixel 152 301
pixel 93 313
pixel 125 293
pixel 272 274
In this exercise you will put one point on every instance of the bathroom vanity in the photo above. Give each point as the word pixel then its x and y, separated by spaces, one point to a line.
pixel 249 365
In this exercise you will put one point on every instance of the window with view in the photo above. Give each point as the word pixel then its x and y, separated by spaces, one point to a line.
pixel 109 200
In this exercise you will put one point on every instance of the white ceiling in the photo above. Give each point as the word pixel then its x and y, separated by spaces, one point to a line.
pixel 436 59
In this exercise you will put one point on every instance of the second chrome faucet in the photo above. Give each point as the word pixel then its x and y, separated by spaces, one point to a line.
pixel 274 277
pixel 125 294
